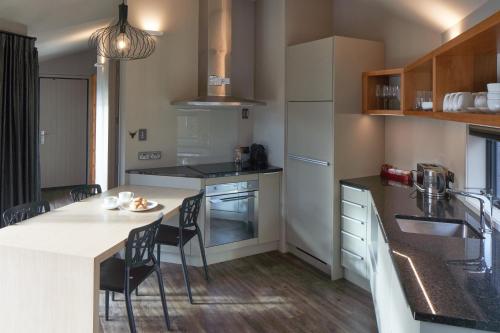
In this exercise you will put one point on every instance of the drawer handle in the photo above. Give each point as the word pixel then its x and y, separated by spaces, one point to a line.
pixel 352 254
pixel 351 235
pixel 353 204
pixel 353 220
pixel 353 188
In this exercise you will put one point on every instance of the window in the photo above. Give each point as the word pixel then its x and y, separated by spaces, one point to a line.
pixel 483 161
pixel 493 169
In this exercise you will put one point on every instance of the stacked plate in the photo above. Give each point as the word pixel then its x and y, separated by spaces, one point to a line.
pixel 494 96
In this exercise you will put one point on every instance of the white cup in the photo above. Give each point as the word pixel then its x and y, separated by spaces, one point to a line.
pixel 446 102
pixel 481 100
pixel 110 202
pixel 125 197
pixel 462 100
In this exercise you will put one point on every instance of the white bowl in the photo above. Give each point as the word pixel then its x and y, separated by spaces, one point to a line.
pixel 494 104
pixel 493 87
pixel 426 105
pixel 494 95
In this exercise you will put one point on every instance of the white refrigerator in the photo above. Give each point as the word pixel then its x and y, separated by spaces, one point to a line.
pixel 309 178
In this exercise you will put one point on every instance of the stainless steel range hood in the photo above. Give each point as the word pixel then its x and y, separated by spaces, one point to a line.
pixel 226 51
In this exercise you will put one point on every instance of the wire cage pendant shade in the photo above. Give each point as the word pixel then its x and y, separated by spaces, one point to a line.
pixel 122 41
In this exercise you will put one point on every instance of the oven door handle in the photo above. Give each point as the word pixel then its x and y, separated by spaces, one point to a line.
pixel 237 198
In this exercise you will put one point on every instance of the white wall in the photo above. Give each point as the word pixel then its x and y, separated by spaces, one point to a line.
pixel 308 20
pixel 80 64
pixel 14 27
pixel 148 86
pixel 407 140
pixel 404 40
pixel 269 120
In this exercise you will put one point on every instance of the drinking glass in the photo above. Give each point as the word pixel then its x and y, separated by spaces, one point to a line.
pixel 378 94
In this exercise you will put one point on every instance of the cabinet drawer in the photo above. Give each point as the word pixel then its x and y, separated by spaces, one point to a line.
pixel 354 210
pixel 353 243
pixel 353 226
pixel 353 262
pixel 354 194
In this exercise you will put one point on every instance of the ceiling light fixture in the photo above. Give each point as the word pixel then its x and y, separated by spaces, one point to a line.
pixel 122 41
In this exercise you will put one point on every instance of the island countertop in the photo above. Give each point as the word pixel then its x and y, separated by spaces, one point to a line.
pixel 467 298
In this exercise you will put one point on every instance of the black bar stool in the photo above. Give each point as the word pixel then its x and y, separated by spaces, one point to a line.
pixel 25 211
pixel 125 275
pixel 180 236
pixel 85 191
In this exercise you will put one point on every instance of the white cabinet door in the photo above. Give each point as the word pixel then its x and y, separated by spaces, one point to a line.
pixel 309 71
pixel 310 130
pixel 309 194
pixel 269 207
pixel 310 209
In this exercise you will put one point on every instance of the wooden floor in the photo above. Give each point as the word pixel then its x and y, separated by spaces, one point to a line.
pixel 271 292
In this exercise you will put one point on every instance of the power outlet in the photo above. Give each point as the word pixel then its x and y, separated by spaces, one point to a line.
pixel 149 155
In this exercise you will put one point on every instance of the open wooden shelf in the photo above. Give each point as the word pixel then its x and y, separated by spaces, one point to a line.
pixel 466 63
pixel 371 103
pixel 462 117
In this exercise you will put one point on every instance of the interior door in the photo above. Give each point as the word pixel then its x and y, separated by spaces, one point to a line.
pixel 63 130
pixel 309 178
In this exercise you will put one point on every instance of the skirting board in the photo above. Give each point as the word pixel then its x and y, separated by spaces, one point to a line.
pixel 357 280
pixel 310 260
pixel 213 258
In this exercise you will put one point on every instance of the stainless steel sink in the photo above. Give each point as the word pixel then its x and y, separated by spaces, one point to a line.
pixel 436 227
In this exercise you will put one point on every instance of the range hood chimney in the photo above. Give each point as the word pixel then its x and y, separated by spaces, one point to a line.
pixel 226 50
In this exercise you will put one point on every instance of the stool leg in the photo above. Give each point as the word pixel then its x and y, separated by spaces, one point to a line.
pixel 202 250
pixel 186 274
pixel 106 306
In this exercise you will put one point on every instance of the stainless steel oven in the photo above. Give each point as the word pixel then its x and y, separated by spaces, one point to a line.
pixel 231 212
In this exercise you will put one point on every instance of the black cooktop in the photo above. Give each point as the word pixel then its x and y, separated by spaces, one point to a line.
pixel 206 170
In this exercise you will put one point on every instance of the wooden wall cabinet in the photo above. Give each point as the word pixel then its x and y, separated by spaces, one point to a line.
pixel 465 63
pixel 372 102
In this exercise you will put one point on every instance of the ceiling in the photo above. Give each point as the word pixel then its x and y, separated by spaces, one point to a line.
pixel 437 14
pixel 63 26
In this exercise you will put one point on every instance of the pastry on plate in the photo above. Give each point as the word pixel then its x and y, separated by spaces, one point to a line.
pixel 140 203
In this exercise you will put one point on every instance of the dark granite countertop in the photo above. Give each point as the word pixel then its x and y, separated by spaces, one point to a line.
pixel 460 297
pixel 207 170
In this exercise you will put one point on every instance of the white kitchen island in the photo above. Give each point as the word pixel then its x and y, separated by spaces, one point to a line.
pixel 51 263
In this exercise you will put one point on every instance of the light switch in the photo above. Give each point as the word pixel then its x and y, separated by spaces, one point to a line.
pixel 143 134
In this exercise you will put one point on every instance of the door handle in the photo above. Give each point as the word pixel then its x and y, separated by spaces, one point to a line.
pixel 353 204
pixel 308 160
pixel 237 198
pixel 352 254
pixel 351 235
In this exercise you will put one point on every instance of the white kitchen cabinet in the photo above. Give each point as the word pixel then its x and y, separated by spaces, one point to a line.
pixel 328 139
pixel 309 69
pixel 269 207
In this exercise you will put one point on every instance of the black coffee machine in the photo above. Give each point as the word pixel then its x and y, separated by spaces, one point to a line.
pixel 258 156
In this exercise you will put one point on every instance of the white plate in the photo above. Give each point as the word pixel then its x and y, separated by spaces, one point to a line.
pixel 150 205
pixel 111 207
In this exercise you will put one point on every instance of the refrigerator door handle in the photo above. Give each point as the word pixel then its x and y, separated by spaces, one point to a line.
pixel 308 160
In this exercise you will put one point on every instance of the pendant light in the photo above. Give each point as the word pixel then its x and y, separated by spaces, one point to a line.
pixel 122 41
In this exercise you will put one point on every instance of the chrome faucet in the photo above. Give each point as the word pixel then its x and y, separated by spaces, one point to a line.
pixel 482 222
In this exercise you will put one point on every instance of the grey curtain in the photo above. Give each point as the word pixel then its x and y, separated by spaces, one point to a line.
pixel 19 121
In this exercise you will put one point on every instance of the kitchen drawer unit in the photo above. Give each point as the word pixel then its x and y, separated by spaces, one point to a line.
pixel 353 226
pixel 353 262
pixel 354 195
pixel 354 210
pixel 353 243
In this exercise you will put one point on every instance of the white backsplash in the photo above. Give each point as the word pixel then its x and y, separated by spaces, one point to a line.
pixel 210 136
